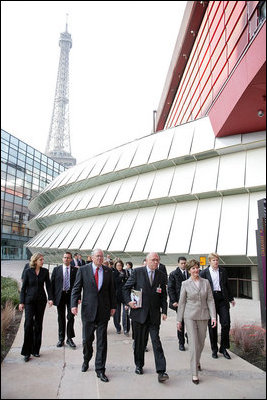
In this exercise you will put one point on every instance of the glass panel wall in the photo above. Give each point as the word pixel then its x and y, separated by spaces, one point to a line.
pixel 24 173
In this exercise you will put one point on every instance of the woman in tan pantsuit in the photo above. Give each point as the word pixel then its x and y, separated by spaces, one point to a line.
pixel 196 307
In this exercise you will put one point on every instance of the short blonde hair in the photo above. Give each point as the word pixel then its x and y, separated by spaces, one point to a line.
pixel 191 263
pixel 213 255
pixel 34 259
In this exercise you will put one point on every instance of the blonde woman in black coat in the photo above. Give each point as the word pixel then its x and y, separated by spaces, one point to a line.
pixel 33 300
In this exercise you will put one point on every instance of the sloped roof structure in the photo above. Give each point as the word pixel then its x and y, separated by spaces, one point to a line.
pixel 181 191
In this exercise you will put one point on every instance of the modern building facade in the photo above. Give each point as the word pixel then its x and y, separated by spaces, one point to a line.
pixel 24 173
pixel 192 187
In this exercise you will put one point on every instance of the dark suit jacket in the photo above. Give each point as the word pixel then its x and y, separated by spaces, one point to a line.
pixel 174 286
pixel 26 266
pixel 153 303
pixel 72 263
pixel 224 283
pixel 32 289
pixel 94 302
pixel 57 282
pixel 163 269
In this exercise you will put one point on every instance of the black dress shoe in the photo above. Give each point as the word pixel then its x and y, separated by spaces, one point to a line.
pixel 195 381
pixel 139 370
pixel 162 377
pixel 36 354
pixel 214 354
pixel 26 358
pixel 225 354
pixel 181 347
pixel 71 343
pixel 102 376
pixel 60 343
pixel 85 366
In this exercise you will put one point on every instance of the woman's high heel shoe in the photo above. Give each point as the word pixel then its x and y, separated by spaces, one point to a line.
pixel 195 381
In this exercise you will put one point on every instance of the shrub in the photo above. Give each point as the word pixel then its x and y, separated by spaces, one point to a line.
pixel 249 338
pixel 9 291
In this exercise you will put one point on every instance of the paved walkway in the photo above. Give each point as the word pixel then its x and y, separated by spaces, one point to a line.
pixel 57 373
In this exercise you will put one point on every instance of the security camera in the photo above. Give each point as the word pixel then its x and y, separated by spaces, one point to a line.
pixel 260 113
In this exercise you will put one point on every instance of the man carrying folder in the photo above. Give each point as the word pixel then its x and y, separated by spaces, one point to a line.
pixel 151 282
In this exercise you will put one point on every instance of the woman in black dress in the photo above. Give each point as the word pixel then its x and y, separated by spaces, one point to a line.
pixel 33 300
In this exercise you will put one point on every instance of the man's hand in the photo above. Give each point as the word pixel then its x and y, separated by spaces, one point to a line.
pixel 175 304
pixel 132 304
pixel 74 310
pixel 179 326
pixel 112 311
pixel 213 322
pixel 50 303
pixel 164 317
pixel 233 303
pixel 21 307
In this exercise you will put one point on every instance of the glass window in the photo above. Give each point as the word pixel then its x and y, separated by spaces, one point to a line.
pixel 14 140
pixel 21 156
pixel 22 145
pixel 44 158
pixel 5 135
pixel 12 160
pixel 30 150
pixel 4 147
pixel 3 155
pixel 37 154
pixel 3 167
pixel 13 152
pixel 20 174
pixel 28 178
pixel 36 164
pixel 11 170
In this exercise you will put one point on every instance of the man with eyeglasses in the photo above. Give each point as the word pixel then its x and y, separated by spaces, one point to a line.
pixel 151 282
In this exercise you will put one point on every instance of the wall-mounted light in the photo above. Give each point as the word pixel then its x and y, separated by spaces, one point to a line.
pixel 260 113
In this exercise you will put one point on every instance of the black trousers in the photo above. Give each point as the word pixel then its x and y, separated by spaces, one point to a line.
pixel 140 341
pixel 180 334
pixel 33 327
pixel 222 309
pixel 89 329
pixel 61 313
pixel 125 318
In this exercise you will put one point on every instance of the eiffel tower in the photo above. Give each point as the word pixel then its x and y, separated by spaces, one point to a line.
pixel 58 143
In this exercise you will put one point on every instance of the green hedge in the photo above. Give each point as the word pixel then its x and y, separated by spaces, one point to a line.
pixel 9 291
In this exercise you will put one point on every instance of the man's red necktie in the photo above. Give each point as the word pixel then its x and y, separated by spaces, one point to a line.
pixel 96 276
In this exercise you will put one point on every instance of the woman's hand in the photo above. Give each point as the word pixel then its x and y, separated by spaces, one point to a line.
pixel 21 307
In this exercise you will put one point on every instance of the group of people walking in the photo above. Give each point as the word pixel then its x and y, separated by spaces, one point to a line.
pixel 104 290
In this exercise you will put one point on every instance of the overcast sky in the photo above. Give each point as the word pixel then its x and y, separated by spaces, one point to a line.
pixel 120 56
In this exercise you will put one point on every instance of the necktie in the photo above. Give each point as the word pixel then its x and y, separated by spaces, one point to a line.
pixel 184 274
pixel 96 276
pixel 151 277
pixel 66 279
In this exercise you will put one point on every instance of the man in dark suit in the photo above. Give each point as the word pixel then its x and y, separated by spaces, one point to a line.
pixel 75 262
pixel 176 278
pixel 147 318
pixel 163 269
pixel 99 303
pixel 219 283
pixel 80 260
pixel 62 281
